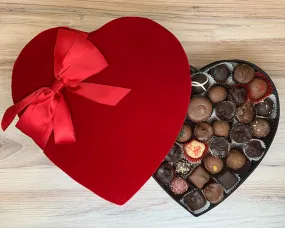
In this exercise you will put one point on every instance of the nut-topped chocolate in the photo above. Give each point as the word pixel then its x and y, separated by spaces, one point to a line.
pixel 264 108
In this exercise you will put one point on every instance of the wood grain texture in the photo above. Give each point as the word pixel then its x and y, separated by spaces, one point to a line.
pixel 34 193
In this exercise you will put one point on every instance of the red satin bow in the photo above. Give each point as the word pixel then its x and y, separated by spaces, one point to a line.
pixel 75 59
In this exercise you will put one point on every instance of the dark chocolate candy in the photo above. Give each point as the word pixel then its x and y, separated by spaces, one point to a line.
pixel 164 174
pixel 194 200
pixel 219 147
pixel 183 167
pixel 220 73
pixel 200 83
pixel 225 110
pixel 237 94
pixel 174 154
pixel 199 177
pixel 264 108
pixel 227 179
pixel 254 149
pixel 241 133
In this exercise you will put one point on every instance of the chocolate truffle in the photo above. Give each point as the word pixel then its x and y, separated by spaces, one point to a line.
pixel 214 193
pixel 203 131
pixel 245 113
pixel 178 186
pixel 183 167
pixel 241 133
pixel 200 83
pixel 194 200
pixel 237 94
pixel 199 110
pixel 225 110
pixel 213 164
pixel 260 127
pixel 228 180
pixel 194 150
pixel 164 174
pixel 184 134
pixel 219 147
pixel 243 73
pixel 257 88
pixel 235 159
pixel 220 73
pixel 217 94
pixel 221 128
pixel 254 149
pixel 174 154
pixel 199 177
pixel 264 108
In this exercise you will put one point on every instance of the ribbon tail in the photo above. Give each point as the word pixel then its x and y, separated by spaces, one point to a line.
pixel 12 111
pixel 103 94
pixel 62 123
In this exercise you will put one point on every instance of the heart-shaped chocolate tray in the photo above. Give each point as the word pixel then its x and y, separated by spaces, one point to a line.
pixel 199 174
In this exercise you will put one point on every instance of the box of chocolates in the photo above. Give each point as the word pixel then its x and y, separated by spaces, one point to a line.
pixel 230 124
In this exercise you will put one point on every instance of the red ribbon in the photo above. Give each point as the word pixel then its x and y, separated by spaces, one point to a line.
pixel 75 59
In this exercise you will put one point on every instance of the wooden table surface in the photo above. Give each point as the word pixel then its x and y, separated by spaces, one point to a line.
pixel 34 193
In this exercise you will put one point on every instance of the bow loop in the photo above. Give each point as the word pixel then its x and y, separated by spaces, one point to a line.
pixel 46 110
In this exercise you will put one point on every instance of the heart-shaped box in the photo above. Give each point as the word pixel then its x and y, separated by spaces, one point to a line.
pixel 113 141
pixel 201 186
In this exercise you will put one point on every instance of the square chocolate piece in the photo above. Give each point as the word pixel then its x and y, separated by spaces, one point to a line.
pixel 194 200
pixel 199 177
pixel 227 180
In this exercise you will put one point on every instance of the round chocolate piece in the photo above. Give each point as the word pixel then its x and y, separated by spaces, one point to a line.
pixel 213 164
pixel 221 128
pixel 257 88
pixel 178 186
pixel 199 110
pixel 184 134
pixel 237 94
pixel 264 108
pixel 254 149
pixel 164 174
pixel 243 73
pixel 241 133
pixel 219 147
pixel 203 131
pixel 235 159
pixel 260 127
pixel 225 110
pixel 183 167
pixel 245 113
pixel 214 193
pixel 200 83
pixel 217 94
pixel 220 73
pixel 174 154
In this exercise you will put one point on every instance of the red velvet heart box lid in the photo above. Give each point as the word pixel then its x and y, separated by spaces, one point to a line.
pixel 117 147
